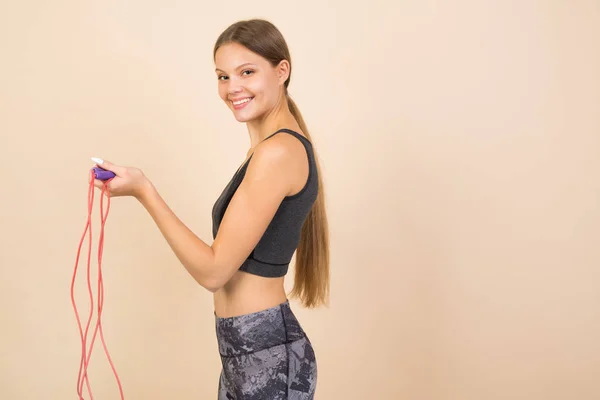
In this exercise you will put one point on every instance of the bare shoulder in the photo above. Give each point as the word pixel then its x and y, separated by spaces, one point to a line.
pixel 282 150
pixel 281 159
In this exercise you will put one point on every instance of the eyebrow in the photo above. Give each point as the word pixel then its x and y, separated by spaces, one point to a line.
pixel 238 67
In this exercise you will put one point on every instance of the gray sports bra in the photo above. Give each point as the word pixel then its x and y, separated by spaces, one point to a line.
pixel 273 253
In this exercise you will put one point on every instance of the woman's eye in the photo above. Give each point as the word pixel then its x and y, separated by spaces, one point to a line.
pixel 245 72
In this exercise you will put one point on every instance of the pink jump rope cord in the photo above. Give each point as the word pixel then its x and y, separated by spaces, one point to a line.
pixel 85 358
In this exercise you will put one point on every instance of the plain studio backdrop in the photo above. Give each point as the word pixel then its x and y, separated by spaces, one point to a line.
pixel 459 144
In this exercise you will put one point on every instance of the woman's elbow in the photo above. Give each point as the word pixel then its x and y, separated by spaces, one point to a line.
pixel 213 285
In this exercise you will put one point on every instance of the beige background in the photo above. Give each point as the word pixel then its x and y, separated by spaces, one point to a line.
pixel 460 146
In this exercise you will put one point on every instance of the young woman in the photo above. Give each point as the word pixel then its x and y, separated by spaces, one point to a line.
pixel 272 207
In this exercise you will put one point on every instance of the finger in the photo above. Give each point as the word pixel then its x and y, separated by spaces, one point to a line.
pixel 107 165
pixel 98 183
pixel 101 185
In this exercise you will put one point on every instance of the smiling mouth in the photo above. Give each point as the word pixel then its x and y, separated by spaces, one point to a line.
pixel 241 103
pixel 247 99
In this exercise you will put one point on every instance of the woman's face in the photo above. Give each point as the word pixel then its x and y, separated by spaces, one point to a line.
pixel 247 82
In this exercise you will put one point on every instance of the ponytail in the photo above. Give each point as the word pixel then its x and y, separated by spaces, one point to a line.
pixel 311 280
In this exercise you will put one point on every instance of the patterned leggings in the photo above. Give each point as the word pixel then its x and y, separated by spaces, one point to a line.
pixel 266 356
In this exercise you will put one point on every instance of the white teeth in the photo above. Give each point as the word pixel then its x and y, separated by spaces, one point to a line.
pixel 242 101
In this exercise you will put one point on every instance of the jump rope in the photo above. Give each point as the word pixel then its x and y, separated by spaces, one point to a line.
pixel 106 177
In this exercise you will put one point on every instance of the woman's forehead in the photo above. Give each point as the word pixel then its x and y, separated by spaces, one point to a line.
pixel 233 56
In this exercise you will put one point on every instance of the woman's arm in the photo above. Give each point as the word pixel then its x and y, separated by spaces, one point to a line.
pixel 195 255
pixel 255 202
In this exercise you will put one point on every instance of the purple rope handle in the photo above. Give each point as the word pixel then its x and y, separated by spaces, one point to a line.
pixel 103 174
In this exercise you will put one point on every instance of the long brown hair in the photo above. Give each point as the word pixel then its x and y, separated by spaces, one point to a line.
pixel 311 281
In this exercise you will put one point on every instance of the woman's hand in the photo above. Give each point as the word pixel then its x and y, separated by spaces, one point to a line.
pixel 129 181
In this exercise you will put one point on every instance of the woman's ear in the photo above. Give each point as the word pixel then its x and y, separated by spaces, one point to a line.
pixel 283 71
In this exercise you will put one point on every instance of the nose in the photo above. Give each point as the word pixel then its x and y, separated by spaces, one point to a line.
pixel 234 88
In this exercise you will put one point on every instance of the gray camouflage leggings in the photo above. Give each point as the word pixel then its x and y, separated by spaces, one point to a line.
pixel 266 356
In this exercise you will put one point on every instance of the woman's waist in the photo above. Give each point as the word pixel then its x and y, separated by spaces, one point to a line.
pixel 246 293
pixel 259 330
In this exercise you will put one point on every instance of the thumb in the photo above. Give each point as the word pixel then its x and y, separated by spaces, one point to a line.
pixel 107 165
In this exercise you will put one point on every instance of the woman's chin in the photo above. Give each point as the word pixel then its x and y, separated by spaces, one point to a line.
pixel 242 117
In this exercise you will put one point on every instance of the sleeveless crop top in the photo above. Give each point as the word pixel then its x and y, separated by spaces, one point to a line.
pixel 273 253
